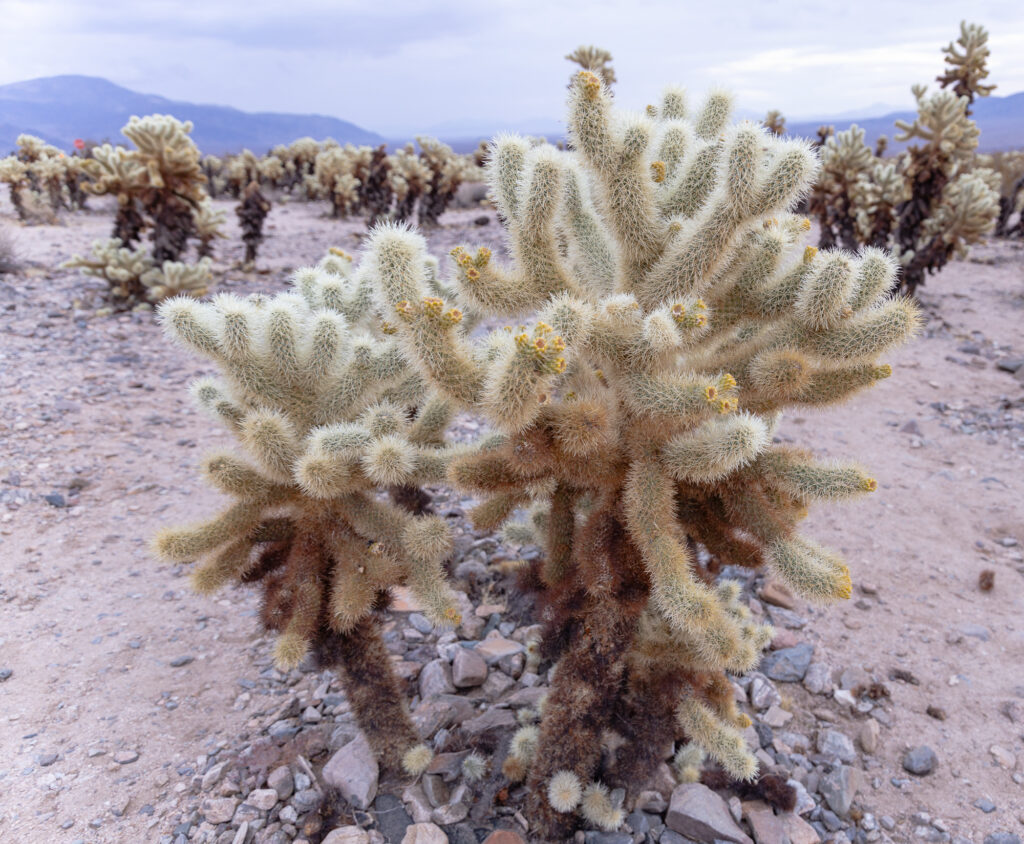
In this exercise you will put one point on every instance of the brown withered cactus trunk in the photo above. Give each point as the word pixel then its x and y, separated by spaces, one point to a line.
pixel 590 632
pixel 359 655
pixel 252 212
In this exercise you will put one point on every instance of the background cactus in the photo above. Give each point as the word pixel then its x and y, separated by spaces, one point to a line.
pixel 934 199
pixel 321 406
pixel 251 212
pixel 596 60
pixel 673 314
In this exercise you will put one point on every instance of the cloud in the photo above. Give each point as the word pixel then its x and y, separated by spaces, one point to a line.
pixel 400 66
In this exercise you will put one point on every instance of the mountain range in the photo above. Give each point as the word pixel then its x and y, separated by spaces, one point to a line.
pixel 60 109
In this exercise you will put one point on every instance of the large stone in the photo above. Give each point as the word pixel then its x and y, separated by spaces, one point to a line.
pixel 263 799
pixel 818 679
pixel 698 813
pixel 763 693
pixel 425 833
pixel 496 646
pixel 797 830
pixel 920 761
pixel 353 770
pixel 347 835
pixel 282 781
pixel 490 721
pixel 767 828
pixel 469 669
pixel 436 679
pixel 778 594
pixel 788 665
pixel 391 817
pixel 1002 838
pixel 219 809
pixel 836 745
pixel 838 787
pixel 868 735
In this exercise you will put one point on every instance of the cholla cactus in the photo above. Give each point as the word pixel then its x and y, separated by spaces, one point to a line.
pixel 774 122
pixel 252 211
pixel 448 171
pixel 136 280
pixel 321 410
pixel 160 180
pixel 965 67
pixel 675 314
pixel 207 222
pixel 596 60
pixel 1010 168
pixel 410 178
pixel 845 161
pixel 924 205
pixel 14 174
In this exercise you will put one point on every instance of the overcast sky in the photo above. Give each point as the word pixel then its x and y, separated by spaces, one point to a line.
pixel 399 67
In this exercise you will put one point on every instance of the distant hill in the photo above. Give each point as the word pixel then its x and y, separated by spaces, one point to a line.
pixel 1001 120
pixel 62 108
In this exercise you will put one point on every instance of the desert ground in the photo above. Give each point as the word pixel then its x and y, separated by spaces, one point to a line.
pixel 120 689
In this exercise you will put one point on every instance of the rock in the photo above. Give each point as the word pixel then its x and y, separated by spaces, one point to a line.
pixel 854 678
pixel 777 717
pixel 818 679
pixel 416 804
pixel 1004 758
pixel 797 830
pixel 777 594
pixel 281 780
pixel 125 757
pixel 836 745
pixel 1002 838
pixel 263 799
pixel 213 776
pixel 180 661
pixel 786 618
pixel 55 499
pixel 435 789
pixel 421 623
pixel 436 679
pixel 424 833
pixel 347 835
pixel 593 837
pixel 920 761
pixel 975 631
pixel 698 813
pixel 391 817
pixel 450 813
pixel 788 665
pixel 448 765
pixel 867 737
pixel 6 674
pixel 353 770
pixel 496 646
pixel 804 802
pixel 469 669
pixel 651 801
pixel 767 828
pixel 306 800
pixel 492 719
pixel 839 787
pixel 763 693
pixel 219 809
pixel 504 836
pixel 986 805
pixel 1010 364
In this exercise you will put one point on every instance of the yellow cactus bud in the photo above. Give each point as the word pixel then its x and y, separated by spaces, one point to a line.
pixel 809 253
pixel 658 169
pixel 590 83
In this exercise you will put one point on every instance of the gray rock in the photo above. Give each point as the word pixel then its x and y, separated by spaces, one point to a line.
pixel 180 661
pixel 670 837
pixel 309 799
pixel 986 805
pixel 698 813
pixel 920 761
pixel 788 665
pixel 818 679
pixel 1002 838
pixel 839 787
pixel 469 669
pixel 435 789
pixel 836 745
pixel 392 819
pixel 353 770
pixel 763 693
pixel 263 799
pixel 125 757
pixel 594 837
pixel 1010 364
pixel 436 679
pixel 853 678
pixel 421 623
pixel 281 780
pixel 219 809
pixel 492 719
pixel 975 631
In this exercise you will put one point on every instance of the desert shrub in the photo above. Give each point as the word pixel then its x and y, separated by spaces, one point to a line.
pixel 671 313
pixel 322 406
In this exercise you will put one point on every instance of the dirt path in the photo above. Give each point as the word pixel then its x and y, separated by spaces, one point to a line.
pixel 122 681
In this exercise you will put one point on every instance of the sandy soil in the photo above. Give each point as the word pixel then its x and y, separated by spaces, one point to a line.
pixel 96 722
